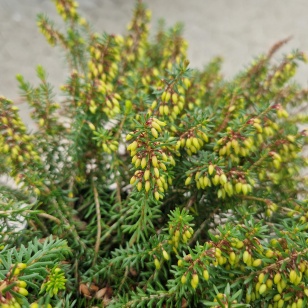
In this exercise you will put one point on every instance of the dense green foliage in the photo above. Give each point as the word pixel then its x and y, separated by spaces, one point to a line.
pixel 151 184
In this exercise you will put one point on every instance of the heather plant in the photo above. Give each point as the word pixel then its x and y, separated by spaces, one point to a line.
pixel 152 184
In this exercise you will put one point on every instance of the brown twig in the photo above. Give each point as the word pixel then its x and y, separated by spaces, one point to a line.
pixel 99 227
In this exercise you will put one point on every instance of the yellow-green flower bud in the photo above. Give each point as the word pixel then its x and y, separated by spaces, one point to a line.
pixel 261 277
pixel 16 272
pixel 172 161
pixel 137 162
pixel 139 185
pixel 178 145
pixel 188 143
pixel 188 234
pixel 277 278
pixel 246 256
pixel 168 96
pixel 161 109
pixel 146 174
pixel 23 291
pixel 197 175
pixel 217 252
pixel 159 182
pixel 302 267
pixel 211 169
pixel 157 264
pixel 263 288
pixel 21 283
pixel 248 298
pixel 154 161
pixel 186 82
pixel 156 126
pixel 154 105
pixel 154 132
pixel 164 156
pixel 143 162
pixel 216 179
pixel 223 151
pixel 238 187
pixel 184 279
pixel 232 257
pixel 204 136
pixel 91 125
pixel 196 143
pixel 206 181
pixel 206 275
pixel 223 179
pixel 292 276
pixel 166 110
pixel 160 123
pixel 300 303
pixel 134 159
pixel 157 195
pixel 194 281
pixel 277 297
pixel 156 172
pixel 175 97
pixel 132 146
pixel 269 283
pixel 188 180
pixel 147 186
pixel 245 188
pixel 256 262
pixel 269 253
pixel 166 255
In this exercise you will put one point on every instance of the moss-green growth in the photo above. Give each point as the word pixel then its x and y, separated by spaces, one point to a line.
pixel 153 184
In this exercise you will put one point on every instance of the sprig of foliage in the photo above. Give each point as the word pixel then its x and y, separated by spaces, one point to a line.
pixel 151 183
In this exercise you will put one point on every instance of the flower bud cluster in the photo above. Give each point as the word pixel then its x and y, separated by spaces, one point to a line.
pixel 136 42
pixel 104 139
pixel 235 146
pixel 109 104
pixel 234 182
pixel 284 72
pixel 286 287
pixel 272 273
pixel 281 152
pixel 52 35
pixel 283 281
pixel 15 143
pixel 179 234
pixel 150 159
pixel 271 208
pixel 171 103
pixel 224 300
pixel 67 9
pixel 175 49
pixel 103 65
pixel 164 256
pixel 195 269
pixel 103 70
pixel 13 283
pixel 193 140
pixel 110 147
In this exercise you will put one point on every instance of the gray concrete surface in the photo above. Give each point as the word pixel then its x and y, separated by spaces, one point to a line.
pixel 237 30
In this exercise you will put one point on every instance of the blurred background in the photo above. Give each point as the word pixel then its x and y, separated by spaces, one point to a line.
pixel 237 30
